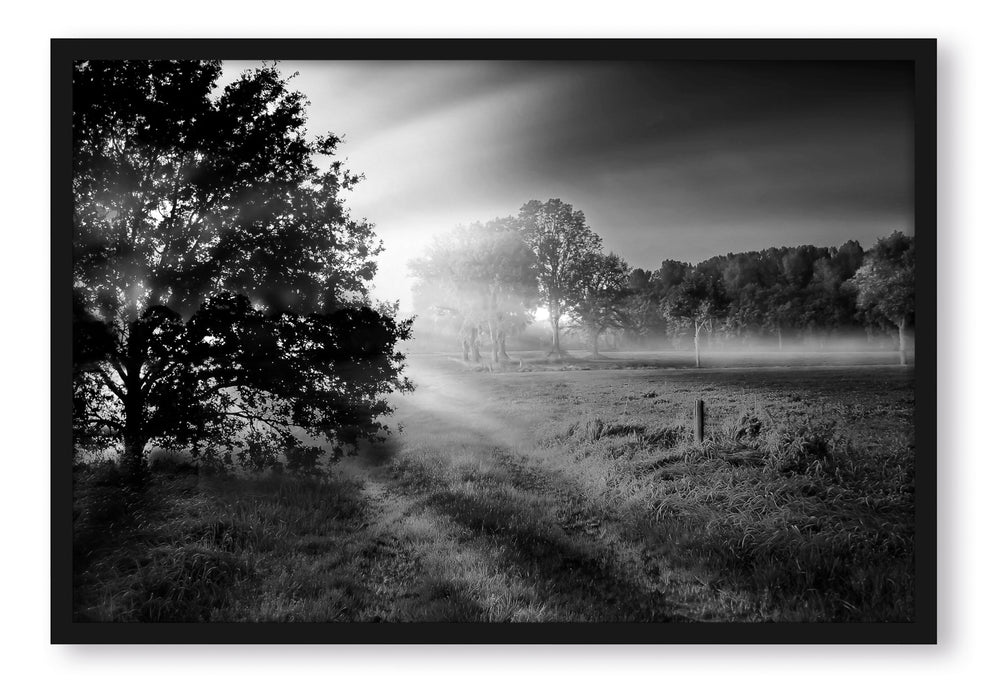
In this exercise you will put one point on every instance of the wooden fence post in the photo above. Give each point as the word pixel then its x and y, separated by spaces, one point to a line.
pixel 699 421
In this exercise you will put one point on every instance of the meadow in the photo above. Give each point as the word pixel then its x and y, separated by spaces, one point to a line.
pixel 570 491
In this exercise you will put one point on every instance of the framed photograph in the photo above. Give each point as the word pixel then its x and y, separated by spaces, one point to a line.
pixel 493 341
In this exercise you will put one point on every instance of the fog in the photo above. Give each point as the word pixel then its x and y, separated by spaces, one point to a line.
pixel 443 335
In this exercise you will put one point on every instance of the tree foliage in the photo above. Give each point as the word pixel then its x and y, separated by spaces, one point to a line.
pixel 562 241
pixel 482 277
pixel 643 318
pixel 220 283
pixel 699 300
pixel 599 303
pixel 798 295
pixel 885 283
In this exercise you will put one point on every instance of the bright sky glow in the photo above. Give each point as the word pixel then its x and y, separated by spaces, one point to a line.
pixel 673 160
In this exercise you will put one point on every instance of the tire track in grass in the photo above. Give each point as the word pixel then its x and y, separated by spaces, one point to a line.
pixel 505 533
pixel 505 527
pixel 422 566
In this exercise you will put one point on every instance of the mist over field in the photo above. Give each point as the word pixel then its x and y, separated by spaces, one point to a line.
pixel 493 341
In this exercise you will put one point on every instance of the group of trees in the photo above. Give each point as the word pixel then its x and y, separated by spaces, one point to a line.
pixel 483 278
pixel 220 284
pixel 804 292
pixel 487 280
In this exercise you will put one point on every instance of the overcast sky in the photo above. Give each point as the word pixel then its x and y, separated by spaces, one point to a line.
pixel 679 160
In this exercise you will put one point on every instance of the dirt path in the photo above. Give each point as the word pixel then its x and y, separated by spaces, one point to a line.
pixel 492 535
pixel 480 511
pixel 432 567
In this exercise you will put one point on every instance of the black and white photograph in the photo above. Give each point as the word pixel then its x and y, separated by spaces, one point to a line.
pixel 508 341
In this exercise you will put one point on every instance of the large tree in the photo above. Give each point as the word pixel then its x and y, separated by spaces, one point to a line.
pixel 698 301
pixel 220 283
pixel 561 240
pixel 600 302
pixel 831 302
pixel 482 276
pixel 643 318
pixel 885 284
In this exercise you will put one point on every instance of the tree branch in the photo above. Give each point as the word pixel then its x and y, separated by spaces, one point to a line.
pixel 119 368
pixel 114 425
pixel 280 427
pixel 108 382
pixel 152 376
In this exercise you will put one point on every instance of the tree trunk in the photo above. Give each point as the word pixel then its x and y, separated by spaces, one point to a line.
pixel 697 344
pixel 902 340
pixel 594 345
pixel 494 336
pixel 555 343
pixel 501 346
pixel 464 349
pixel 133 459
pixel 475 353
pixel 780 339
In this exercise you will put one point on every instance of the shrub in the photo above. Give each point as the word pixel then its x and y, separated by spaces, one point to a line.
pixel 748 427
pixel 813 447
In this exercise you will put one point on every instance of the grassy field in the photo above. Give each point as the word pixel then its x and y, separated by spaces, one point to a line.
pixel 553 492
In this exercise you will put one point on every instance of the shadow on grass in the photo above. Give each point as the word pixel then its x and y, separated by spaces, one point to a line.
pixel 188 549
pixel 565 569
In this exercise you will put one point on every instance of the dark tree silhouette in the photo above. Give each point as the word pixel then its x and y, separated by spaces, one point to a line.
pixel 698 300
pixel 220 283
pixel 642 317
pixel 561 240
pixel 600 301
pixel 670 274
pixel 832 303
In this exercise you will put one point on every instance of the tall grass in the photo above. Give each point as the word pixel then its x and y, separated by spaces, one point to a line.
pixel 806 521
pixel 594 503
pixel 198 549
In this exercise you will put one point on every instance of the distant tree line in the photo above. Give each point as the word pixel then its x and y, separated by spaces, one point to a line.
pixel 484 282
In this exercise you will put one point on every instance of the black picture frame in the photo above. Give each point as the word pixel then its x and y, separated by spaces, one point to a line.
pixel 922 52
